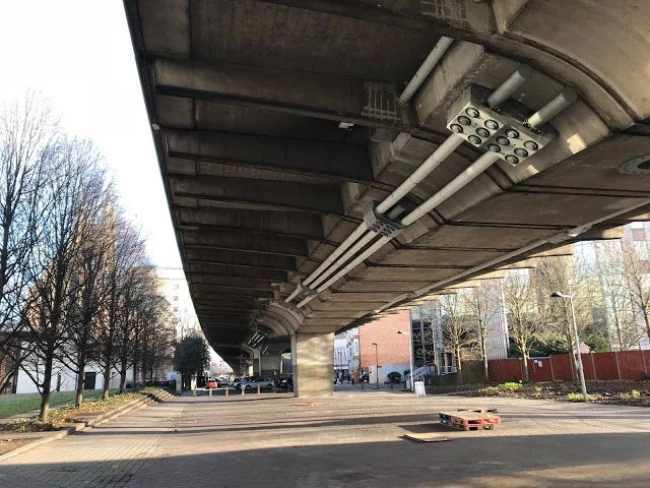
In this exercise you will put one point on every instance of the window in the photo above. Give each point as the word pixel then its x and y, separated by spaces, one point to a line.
pixel 176 298
pixel 176 287
pixel 175 309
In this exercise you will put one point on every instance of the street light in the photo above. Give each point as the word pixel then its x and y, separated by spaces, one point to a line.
pixel 581 373
pixel 410 356
pixel 376 362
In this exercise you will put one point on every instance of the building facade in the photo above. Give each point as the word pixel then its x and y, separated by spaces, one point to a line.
pixel 173 286
pixel 346 353
pixel 382 348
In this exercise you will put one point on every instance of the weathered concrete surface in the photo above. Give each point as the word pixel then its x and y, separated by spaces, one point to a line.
pixel 312 358
pixel 350 440
pixel 246 97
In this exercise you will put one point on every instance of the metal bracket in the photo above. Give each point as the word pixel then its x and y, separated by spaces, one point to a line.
pixel 380 224
pixel 503 131
pixel 306 290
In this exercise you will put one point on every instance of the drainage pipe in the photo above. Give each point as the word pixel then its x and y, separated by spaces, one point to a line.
pixel 425 68
pixel 502 93
pixel 552 108
pixel 337 259
pixel 510 86
pixel 475 169
pixel 432 162
pixel 353 264
pixel 471 172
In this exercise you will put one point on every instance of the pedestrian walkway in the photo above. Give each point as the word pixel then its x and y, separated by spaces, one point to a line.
pixel 350 440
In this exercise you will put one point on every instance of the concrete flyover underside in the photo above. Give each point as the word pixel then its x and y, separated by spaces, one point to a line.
pixel 277 125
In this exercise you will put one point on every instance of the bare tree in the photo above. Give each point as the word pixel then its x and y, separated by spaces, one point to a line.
pixel 125 255
pixel 158 332
pixel 86 309
pixel 74 186
pixel 28 134
pixel 636 275
pixel 484 303
pixel 520 302
pixel 457 326
pixel 616 292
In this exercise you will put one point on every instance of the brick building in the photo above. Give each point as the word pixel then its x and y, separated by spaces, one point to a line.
pixel 392 350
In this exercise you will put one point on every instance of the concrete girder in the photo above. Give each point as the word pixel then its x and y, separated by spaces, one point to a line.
pixel 237 272
pixel 288 317
pixel 231 291
pixel 265 194
pixel 329 97
pixel 234 281
pixel 555 210
pixel 280 328
pixel 245 242
pixel 290 224
pixel 343 162
pixel 213 301
pixel 514 29
pixel 238 258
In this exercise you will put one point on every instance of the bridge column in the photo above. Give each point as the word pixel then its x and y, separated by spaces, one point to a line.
pixel 312 357
pixel 271 366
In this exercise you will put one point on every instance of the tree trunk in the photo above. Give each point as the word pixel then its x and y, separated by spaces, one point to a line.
pixel 80 381
pixel 646 319
pixel 524 356
pixel 486 366
pixel 45 392
pixel 459 364
pixel 107 379
pixel 123 377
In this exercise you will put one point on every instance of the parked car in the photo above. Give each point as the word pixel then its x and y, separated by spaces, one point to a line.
pixel 212 383
pixel 285 383
pixel 250 383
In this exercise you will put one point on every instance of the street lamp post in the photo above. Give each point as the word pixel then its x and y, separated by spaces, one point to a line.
pixel 581 372
pixel 376 363
pixel 410 357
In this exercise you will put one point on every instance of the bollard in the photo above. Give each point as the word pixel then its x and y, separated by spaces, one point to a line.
pixel 243 390
pixel 259 389
pixel 209 391
pixel 227 390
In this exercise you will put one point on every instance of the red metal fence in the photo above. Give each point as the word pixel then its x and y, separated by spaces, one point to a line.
pixel 625 365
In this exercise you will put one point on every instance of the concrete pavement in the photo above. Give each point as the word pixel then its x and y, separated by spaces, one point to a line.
pixel 350 440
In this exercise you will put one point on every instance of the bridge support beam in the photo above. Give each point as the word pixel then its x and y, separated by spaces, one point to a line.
pixel 312 356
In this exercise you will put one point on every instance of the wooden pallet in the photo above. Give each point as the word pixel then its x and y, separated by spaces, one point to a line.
pixel 469 420
pixel 428 437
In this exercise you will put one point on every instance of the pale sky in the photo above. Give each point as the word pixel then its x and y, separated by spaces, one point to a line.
pixel 78 55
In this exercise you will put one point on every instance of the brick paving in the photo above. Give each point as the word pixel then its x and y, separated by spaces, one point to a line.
pixel 350 440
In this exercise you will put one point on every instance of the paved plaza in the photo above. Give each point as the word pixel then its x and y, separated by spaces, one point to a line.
pixel 350 440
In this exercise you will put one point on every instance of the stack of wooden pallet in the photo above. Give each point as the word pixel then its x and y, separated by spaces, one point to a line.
pixel 470 419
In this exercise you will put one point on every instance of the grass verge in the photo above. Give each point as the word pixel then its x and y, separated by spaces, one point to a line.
pixel 22 403
pixel 634 393
pixel 66 415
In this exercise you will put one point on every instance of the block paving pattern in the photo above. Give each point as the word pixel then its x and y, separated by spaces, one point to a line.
pixel 350 440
